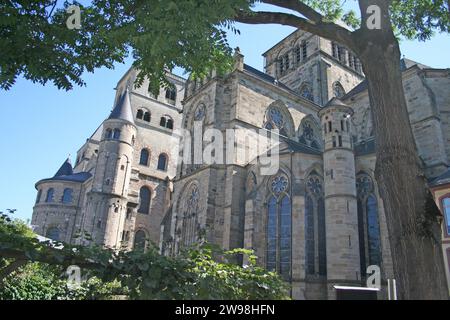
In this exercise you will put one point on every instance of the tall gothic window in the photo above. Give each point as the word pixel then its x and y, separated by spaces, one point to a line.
pixel 315 228
pixel 171 94
pixel 279 227
pixel 368 223
pixel 144 200
pixel 189 223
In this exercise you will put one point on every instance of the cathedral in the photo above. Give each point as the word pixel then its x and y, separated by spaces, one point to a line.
pixel 318 220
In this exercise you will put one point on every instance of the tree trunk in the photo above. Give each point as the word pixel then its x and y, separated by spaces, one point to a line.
pixel 412 216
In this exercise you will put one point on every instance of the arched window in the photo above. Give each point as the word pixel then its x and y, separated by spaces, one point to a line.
pixel 53 233
pixel 315 228
pixel 140 114
pixel 368 223
pixel 310 133
pixel 67 196
pixel 139 240
pixel 38 197
pixel 166 122
pixel 108 134
pixel 116 134
pixel 144 157
pixel 338 90
pixel 275 119
pixel 279 227
pixel 162 162
pixel 147 116
pixel 446 210
pixel 306 92
pixel 162 122
pixel 169 124
pixel 144 200
pixel 171 94
pixel 50 195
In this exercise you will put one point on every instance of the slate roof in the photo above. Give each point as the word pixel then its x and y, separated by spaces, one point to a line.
pixel 65 173
pixel 122 109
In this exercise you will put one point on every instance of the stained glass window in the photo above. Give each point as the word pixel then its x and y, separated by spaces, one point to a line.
pixel 279 228
pixel 368 223
pixel 446 207
pixel 373 231
pixel 315 227
pixel 307 92
pixel 309 239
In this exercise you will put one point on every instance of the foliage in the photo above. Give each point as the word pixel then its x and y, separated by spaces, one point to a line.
pixel 202 272
pixel 160 35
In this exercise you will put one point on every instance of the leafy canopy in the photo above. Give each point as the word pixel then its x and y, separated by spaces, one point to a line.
pixel 203 272
pixel 159 34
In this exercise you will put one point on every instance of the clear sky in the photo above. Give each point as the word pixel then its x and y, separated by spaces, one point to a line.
pixel 41 125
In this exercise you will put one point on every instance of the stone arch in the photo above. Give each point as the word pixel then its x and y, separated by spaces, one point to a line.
pixel 277 116
pixel 310 132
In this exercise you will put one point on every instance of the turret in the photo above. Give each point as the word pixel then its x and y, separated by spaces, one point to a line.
pixel 340 195
pixel 113 171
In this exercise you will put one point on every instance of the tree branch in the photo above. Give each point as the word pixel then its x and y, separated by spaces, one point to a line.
pixel 13 266
pixel 327 30
pixel 298 6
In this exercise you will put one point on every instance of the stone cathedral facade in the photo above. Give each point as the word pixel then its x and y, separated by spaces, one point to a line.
pixel 318 221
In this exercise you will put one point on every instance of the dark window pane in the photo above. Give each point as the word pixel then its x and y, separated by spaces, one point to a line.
pixel 361 234
pixel 322 245
pixel 373 231
pixel 162 162
pixel 271 233
pixel 309 226
pixel 446 207
pixel 67 196
pixel 53 233
pixel 50 194
pixel 144 157
pixel 147 117
pixel 144 200
pixel 140 114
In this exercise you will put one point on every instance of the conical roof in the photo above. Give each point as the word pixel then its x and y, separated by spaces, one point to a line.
pixel 65 170
pixel 123 110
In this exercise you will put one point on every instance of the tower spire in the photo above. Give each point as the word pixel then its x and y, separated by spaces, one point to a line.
pixel 122 109
pixel 65 169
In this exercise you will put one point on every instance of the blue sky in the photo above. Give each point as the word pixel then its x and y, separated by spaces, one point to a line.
pixel 41 125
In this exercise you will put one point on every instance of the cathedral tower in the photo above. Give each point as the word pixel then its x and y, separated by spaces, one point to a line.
pixel 340 195
pixel 112 174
